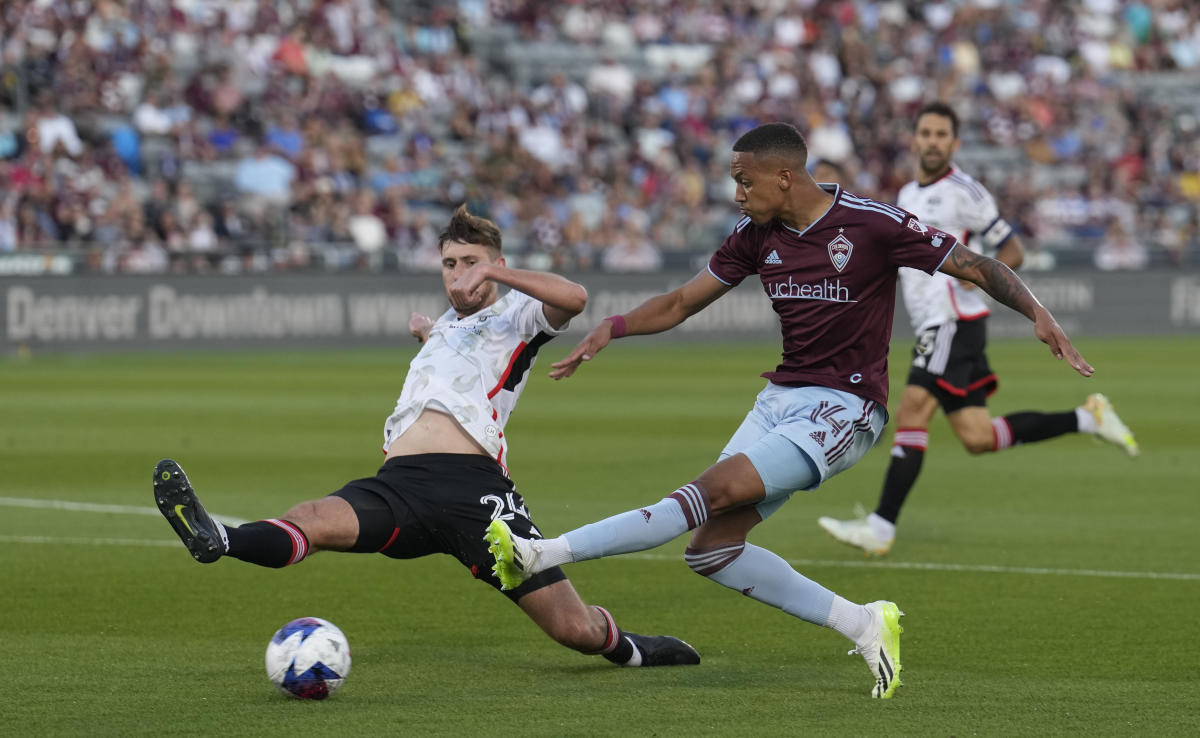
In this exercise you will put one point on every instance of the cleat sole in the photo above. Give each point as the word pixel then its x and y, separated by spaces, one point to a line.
pixel 499 540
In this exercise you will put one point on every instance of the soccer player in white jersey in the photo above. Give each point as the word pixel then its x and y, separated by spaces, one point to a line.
pixel 950 367
pixel 827 260
pixel 444 478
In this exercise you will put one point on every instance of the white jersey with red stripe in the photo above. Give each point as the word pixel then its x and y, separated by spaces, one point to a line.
pixel 957 204
pixel 474 370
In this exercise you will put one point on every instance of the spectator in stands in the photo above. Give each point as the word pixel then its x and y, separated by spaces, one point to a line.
pixel 612 83
pixel 266 175
pixel 192 81
pixel 152 116
pixel 202 241
pixel 56 133
pixel 1119 250
pixel 285 136
pixel 367 229
pixel 631 251
pixel 8 223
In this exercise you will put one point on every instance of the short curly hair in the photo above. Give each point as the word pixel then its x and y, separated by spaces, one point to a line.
pixel 774 139
pixel 471 229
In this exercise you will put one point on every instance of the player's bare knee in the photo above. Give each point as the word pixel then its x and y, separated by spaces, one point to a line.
pixel 721 496
pixel 731 484
pixel 305 512
pixel 325 524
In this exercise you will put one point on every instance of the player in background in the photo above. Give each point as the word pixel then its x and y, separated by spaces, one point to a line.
pixel 827 170
pixel 950 367
pixel 828 261
pixel 444 478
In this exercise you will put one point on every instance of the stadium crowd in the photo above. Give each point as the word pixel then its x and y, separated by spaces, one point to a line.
pixel 247 135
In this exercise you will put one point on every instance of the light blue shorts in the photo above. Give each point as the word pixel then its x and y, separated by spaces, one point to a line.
pixel 798 437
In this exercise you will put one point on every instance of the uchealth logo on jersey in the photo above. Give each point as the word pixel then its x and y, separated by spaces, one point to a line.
pixel 840 249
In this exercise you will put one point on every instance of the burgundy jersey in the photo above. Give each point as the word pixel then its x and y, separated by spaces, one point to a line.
pixel 833 286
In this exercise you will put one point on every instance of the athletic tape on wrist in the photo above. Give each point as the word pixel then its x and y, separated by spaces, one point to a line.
pixel 618 323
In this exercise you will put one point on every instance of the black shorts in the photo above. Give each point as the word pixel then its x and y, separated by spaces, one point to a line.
pixel 441 503
pixel 950 361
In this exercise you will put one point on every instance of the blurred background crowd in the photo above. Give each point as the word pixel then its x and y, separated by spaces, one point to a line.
pixel 151 136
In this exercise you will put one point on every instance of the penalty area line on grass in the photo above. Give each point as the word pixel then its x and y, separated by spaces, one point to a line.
pixel 968 568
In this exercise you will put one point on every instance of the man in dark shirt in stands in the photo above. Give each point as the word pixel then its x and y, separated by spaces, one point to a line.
pixel 828 261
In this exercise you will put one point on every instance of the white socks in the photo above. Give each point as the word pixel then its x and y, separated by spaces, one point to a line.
pixel 1087 421
pixel 849 619
pixel 884 530
pixel 552 552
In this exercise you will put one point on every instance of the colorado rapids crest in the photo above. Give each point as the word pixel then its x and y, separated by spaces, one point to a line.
pixel 840 249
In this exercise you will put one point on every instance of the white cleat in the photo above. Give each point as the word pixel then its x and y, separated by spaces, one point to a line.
pixel 880 647
pixel 1109 426
pixel 857 533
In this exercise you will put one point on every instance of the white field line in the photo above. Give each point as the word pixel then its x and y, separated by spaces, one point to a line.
pixel 91 541
pixel 98 508
pixel 971 568
pixel 876 564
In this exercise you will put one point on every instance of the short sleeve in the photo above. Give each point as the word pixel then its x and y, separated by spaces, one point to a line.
pixel 528 318
pixel 977 209
pixel 737 258
pixel 982 218
pixel 920 246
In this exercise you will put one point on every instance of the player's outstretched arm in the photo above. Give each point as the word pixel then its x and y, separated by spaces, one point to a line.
pixel 1006 287
pixel 659 313
pixel 561 298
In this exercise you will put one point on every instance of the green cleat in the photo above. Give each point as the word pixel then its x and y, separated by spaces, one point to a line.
pixel 880 648
pixel 505 548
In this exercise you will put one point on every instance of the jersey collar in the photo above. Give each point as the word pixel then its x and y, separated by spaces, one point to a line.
pixel 832 189
pixel 948 172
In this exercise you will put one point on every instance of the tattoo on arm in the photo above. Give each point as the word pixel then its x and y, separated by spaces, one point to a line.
pixel 995 278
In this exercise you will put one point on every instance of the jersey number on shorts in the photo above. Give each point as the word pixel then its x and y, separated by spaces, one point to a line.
pixel 504 508
pixel 924 347
pixel 827 412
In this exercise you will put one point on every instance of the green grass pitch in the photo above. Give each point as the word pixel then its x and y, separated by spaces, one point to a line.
pixel 1050 590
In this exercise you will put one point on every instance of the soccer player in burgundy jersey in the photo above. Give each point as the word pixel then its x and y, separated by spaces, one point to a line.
pixel 444 478
pixel 828 262
pixel 950 367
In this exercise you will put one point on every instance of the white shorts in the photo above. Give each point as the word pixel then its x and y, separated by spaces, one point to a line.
pixel 833 429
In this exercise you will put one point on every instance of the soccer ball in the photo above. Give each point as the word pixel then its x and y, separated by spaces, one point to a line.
pixel 308 658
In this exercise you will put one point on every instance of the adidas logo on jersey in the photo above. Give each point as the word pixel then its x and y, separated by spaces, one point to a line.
pixel 819 437
pixel 773 258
